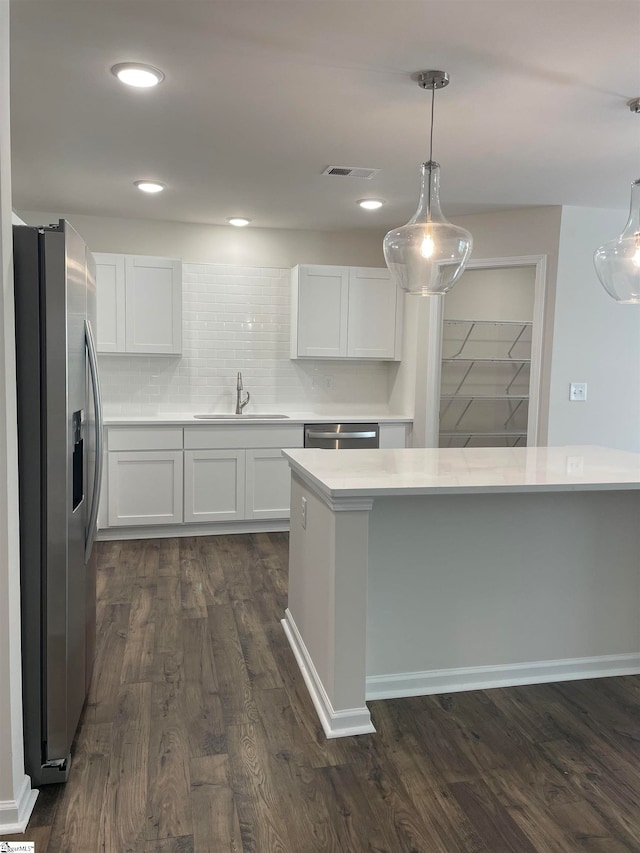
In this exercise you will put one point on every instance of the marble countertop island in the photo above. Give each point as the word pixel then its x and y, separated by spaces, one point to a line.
pixel 421 471
pixel 424 571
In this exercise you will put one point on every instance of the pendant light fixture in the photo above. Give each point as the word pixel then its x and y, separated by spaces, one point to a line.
pixel 617 262
pixel 428 254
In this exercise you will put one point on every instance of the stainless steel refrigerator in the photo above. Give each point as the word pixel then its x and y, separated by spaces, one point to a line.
pixel 60 466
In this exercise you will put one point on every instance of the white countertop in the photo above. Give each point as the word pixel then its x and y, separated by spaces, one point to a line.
pixel 371 473
pixel 292 418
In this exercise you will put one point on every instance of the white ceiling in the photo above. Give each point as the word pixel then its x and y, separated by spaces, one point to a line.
pixel 261 95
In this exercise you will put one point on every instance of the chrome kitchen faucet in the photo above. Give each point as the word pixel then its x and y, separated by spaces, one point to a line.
pixel 240 404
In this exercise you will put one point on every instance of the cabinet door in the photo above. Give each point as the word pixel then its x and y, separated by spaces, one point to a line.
pixel 153 305
pixel 373 305
pixel 322 311
pixel 214 485
pixel 393 436
pixel 110 296
pixel 145 487
pixel 268 484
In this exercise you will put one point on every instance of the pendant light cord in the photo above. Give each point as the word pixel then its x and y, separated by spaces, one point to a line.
pixel 433 102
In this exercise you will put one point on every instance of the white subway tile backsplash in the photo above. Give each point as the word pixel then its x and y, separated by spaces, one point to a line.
pixel 237 318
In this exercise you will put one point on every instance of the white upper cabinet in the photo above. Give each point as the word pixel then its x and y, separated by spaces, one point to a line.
pixel 110 294
pixel 139 304
pixel 322 296
pixel 345 312
pixel 375 319
pixel 153 305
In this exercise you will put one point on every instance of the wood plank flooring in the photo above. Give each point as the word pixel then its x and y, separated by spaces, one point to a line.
pixel 199 736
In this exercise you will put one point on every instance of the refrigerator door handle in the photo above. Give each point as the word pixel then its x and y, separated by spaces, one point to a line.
pixel 97 402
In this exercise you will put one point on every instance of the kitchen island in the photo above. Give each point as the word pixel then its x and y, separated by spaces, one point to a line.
pixel 424 571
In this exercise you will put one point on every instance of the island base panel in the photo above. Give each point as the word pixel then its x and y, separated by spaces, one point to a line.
pixel 496 589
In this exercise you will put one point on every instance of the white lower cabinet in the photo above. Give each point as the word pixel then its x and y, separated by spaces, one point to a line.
pixel 168 475
pixel 145 487
pixel 238 473
pixel 268 481
pixel 235 485
pixel 214 485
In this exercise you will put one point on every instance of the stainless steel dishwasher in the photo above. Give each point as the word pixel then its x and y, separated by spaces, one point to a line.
pixel 341 436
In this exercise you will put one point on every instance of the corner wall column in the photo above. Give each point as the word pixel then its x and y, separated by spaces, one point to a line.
pixel 16 797
pixel 326 621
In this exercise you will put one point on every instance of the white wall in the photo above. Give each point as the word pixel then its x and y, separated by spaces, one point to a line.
pixel 16 798
pixel 222 244
pixel 596 341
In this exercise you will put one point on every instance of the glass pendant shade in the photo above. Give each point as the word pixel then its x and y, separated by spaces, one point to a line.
pixel 618 261
pixel 428 254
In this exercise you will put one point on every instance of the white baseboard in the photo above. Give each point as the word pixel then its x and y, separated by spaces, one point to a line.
pixel 399 684
pixel 162 531
pixel 350 721
pixel 15 814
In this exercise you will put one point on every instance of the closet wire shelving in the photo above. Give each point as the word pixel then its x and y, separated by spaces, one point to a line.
pixel 515 339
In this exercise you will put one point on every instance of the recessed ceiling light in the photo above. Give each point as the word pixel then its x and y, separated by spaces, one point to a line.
pixel 238 221
pixel 137 74
pixel 149 186
pixel 370 203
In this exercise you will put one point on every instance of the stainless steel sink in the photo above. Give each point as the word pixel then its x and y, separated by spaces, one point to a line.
pixel 241 417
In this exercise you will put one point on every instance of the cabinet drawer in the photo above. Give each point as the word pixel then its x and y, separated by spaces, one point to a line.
pixel 227 437
pixel 143 438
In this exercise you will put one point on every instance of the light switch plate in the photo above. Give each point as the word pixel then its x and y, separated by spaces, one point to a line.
pixel 578 391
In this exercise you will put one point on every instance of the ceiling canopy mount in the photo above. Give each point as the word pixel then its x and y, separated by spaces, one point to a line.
pixel 431 79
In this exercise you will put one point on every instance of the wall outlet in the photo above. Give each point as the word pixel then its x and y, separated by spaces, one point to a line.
pixel 575 465
pixel 578 391
pixel 303 513
pixel 328 382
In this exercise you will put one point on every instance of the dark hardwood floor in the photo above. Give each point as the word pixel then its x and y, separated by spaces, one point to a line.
pixel 199 736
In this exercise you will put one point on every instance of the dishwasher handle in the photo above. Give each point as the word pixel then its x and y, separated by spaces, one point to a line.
pixel 313 433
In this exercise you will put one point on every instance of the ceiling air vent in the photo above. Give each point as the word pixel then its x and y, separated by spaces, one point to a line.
pixel 350 171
